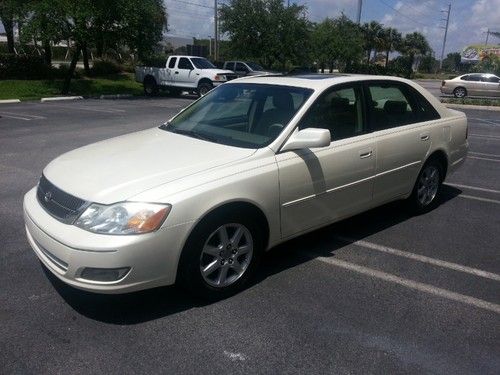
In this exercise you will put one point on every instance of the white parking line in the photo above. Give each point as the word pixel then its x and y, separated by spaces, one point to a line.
pixel 110 110
pixel 483 154
pixel 492 137
pixel 474 188
pixel 486 121
pixel 426 288
pixel 479 158
pixel 479 198
pixel 422 258
pixel 16 117
pixel 22 114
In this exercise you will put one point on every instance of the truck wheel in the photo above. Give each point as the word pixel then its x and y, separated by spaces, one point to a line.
pixel 204 88
pixel 150 86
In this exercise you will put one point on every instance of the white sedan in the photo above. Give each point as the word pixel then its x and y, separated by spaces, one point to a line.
pixel 254 163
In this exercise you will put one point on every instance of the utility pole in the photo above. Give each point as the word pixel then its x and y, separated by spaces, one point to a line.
pixel 216 31
pixel 445 34
pixel 360 5
pixel 487 35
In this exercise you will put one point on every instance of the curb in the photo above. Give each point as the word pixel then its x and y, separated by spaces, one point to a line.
pixel 471 106
pixel 9 101
pixel 57 98
pixel 117 96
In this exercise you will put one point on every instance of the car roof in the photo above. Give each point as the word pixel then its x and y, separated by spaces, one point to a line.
pixel 314 81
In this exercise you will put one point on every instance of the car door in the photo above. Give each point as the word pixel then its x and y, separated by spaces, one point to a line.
pixel 491 85
pixel 474 85
pixel 169 71
pixel 184 73
pixel 321 185
pixel 400 121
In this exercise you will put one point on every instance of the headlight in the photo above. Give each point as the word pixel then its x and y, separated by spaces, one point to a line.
pixel 123 218
pixel 220 77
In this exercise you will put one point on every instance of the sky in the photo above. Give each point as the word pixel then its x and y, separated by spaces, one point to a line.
pixel 469 19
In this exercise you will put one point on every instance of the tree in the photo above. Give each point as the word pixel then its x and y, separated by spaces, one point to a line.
pixel 390 41
pixel 414 46
pixel 266 31
pixel 372 34
pixel 9 11
pixel 452 62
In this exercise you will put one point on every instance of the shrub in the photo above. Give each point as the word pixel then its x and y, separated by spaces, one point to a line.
pixel 23 67
pixel 105 67
pixel 156 60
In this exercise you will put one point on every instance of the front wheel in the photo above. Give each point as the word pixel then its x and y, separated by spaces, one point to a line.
pixel 204 88
pixel 220 256
pixel 426 191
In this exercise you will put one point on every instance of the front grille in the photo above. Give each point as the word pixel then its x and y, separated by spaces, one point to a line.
pixel 63 206
pixel 62 265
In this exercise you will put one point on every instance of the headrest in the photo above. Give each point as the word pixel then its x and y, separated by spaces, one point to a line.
pixel 283 100
pixel 340 104
pixel 395 107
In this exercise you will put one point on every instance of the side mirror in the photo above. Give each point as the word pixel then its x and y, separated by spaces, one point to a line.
pixel 308 138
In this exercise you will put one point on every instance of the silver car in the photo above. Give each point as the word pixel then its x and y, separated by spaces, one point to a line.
pixel 473 84
pixel 255 162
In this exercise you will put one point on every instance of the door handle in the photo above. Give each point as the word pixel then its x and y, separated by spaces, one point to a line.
pixel 366 154
pixel 424 137
pixel 176 72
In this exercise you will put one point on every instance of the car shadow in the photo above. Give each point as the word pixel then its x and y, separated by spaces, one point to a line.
pixel 143 306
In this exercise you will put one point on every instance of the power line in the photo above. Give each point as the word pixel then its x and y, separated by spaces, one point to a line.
pixel 402 14
pixel 195 4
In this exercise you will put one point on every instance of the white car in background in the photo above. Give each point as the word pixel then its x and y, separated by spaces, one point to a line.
pixel 472 84
pixel 255 162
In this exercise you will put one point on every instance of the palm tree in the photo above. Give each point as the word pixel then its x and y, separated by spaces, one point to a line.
pixel 391 41
pixel 372 33
pixel 414 45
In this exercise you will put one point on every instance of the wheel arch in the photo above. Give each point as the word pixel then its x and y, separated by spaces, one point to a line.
pixel 204 80
pixel 441 156
pixel 149 78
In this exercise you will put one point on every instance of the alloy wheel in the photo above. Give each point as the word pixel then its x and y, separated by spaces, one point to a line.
pixel 428 185
pixel 226 255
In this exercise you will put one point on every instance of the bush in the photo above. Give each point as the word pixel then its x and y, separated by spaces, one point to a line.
pixel 156 60
pixel 489 64
pixel 23 67
pixel 105 67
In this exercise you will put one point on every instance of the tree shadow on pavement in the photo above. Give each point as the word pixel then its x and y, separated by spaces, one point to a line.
pixel 138 307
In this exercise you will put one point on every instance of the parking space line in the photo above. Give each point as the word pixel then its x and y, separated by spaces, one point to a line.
pixel 480 158
pixel 422 287
pixel 483 154
pixel 474 188
pixel 483 120
pixel 479 198
pixel 16 117
pixel 492 137
pixel 421 258
pixel 86 108
pixel 22 114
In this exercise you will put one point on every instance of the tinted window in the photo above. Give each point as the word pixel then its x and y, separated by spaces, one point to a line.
pixel 491 79
pixel 390 106
pixel 241 68
pixel 201 63
pixel 254 66
pixel 464 78
pixel 171 63
pixel 230 66
pixel 234 114
pixel 184 63
pixel 339 110
pixel 425 110
pixel 474 77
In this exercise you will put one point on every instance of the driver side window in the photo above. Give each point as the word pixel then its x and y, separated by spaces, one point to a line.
pixel 184 63
pixel 339 110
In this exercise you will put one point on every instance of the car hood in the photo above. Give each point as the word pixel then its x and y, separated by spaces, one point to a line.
pixel 119 168
pixel 217 71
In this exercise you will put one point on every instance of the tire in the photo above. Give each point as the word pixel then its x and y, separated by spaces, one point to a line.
pixel 204 88
pixel 150 86
pixel 425 194
pixel 460 92
pixel 213 268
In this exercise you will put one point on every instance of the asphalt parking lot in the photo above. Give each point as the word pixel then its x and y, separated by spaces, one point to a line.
pixel 382 292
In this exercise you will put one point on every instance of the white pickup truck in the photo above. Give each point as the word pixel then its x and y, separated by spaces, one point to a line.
pixel 182 73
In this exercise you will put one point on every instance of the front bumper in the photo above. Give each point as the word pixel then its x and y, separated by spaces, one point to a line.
pixel 67 250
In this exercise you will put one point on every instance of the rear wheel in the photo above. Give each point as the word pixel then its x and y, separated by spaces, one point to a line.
pixel 460 92
pixel 425 193
pixel 150 86
pixel 220 256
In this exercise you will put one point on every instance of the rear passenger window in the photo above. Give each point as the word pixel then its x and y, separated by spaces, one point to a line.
pixel 338 110
pixel 390 106
pixel 426 112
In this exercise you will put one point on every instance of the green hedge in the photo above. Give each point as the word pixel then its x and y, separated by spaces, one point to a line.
pixel 23 67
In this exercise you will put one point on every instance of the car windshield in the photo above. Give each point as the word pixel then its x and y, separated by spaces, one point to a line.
pixel 202 63
pixel 254 66
pixel 240 114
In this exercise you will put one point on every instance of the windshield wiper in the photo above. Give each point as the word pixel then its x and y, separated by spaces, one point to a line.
pixel 191 133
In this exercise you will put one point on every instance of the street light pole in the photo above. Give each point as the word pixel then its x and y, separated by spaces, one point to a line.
pixel 216 31
pixel 360 5
pixel 487 35
pixel 445 34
